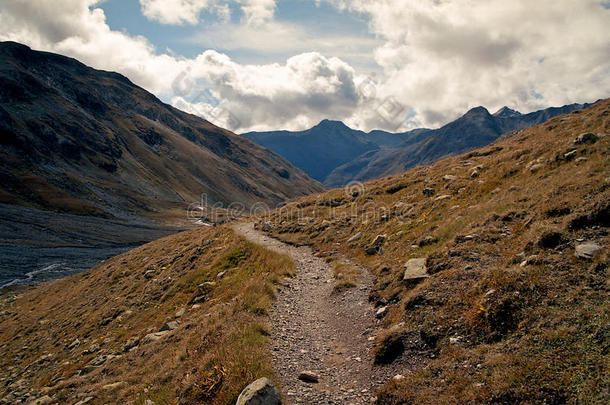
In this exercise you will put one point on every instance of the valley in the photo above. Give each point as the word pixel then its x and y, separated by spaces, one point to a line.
pixel 481 278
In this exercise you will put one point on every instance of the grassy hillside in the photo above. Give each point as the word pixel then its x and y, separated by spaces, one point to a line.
pixel 506 312
pixel 216 285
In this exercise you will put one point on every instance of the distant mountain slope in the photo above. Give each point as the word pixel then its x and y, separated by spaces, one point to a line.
pixel 335 154
pixel 473 130
pixel 83 141
pixel 88 160
pixel 319 150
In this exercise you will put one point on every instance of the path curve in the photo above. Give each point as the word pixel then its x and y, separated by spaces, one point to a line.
pixel 316 329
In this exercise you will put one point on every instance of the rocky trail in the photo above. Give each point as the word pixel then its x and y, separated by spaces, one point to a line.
pixel 325 332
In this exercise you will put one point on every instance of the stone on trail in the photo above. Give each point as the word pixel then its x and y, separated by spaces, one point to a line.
pixel 260 392
pixel 309 377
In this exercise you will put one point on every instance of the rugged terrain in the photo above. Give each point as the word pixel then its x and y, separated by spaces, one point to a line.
pixel 75 141
pixel 336 155
pixel 487 283
pixel 507 298
pixel 179 320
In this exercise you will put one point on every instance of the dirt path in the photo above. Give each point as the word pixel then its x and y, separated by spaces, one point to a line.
pixel 317 330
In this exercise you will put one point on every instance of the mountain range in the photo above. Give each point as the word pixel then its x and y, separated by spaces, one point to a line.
pixel 85 153
pixel 335 154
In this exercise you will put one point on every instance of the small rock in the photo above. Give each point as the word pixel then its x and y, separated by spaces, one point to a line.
pixel 179 313
pixel 94 348
pixel 154 337
pixel 415 270
pixel 455 339
pixel 74 344
pixel 474 174
pixel 587 250
pixel 149 402
pixel 449 177
pixel 170 326
pixel 131 343
pixel 84 401
pixel 381 312
pixel 536 167
pixel 428 191
pixel 490 292
pixel 114 385
pixel 98 360
pixel 197 299
pixel 309 377
pixel 442 197
pixel 260 392
pixel 221 274
pixel 398 377
pixel 586 138
pixel 46 400
pixel 570 155
pixel 427 241
pixel 379 239
pixel 371 251
pixel 355 237
pixel 581 159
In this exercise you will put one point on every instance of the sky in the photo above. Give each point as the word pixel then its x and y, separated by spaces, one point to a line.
pixel 375 64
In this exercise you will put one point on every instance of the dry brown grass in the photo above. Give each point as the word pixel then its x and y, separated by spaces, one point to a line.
pixel 489 329
pixel 218 349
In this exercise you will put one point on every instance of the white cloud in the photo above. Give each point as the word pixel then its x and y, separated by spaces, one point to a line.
pixel 437 59
pixel 442 57
pixel 299 93
pixel 178 12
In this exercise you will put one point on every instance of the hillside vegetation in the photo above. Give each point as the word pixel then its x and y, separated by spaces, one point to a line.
pixel 181 320
pixel 506 302
pixel 505 311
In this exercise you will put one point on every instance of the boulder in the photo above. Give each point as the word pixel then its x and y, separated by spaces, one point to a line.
pixel 260 392
pixel 587 250
pixel 415 270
